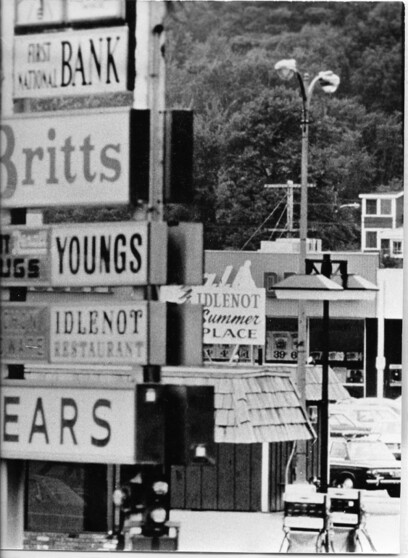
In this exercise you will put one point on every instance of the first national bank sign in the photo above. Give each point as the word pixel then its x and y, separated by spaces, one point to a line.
pixel 67 158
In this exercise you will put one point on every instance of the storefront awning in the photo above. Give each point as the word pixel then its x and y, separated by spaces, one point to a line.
pixel 337 392
pixel 251 405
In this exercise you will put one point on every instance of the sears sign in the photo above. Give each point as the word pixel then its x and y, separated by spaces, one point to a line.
pixel 68 423
pixel 74 158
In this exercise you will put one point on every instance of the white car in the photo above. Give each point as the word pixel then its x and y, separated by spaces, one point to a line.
pixel 379 415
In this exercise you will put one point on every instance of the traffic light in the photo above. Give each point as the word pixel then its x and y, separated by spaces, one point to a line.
pixel 157 507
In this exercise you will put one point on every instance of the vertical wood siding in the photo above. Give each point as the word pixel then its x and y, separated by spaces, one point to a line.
pixel 234 482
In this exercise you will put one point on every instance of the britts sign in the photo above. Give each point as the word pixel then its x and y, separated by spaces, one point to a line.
pixel 68 423
pixel 75 63
pixel 66 158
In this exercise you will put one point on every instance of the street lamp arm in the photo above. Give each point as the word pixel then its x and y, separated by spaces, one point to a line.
pixel 310 89
pixel 303 91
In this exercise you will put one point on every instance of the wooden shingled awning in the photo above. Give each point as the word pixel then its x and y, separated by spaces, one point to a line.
pixel 252 405
pixel 337 392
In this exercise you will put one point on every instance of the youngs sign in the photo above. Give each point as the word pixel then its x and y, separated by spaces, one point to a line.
pixel 84 254
pixel 66 423
pixel 127 253
pixel 68 159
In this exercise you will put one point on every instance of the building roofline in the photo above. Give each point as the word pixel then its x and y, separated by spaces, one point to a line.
pixel 375 195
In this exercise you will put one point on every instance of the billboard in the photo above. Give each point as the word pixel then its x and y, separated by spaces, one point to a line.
pixel 72 158
pixel 68 423
pixel 112 332
pixel 84 254
pixel 85 62
pixel 230 315
pixel 118 253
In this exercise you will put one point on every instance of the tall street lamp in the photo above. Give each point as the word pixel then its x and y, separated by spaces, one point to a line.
pixel 326 280
pixel 329 82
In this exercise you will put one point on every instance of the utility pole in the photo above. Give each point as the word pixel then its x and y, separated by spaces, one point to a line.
pixel 289 186
pixel 150 93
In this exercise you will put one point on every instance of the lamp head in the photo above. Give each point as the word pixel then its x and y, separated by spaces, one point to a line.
pixel 328 81
pixel 286 68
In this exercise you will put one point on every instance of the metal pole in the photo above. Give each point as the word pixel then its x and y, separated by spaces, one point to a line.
pixel 301 464
pixel 289 208
pixel 324 429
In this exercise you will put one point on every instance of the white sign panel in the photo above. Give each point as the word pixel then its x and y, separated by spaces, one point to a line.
pixel 99 333
pixel 42 12
pixel 80 10
pixel 67 158
pixel 231 316
pixel 39 12
pixel 76 63
pixel 68 424
pixel 119 253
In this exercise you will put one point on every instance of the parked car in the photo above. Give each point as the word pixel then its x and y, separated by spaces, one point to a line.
pixel 363 463
pixel 342 425
pixel 379 416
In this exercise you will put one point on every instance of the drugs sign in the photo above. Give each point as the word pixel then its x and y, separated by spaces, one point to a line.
pixel 67 423
pixel 79 63
pixel 127 253
pixel 24 332
pixel 24 256
pixel 72 159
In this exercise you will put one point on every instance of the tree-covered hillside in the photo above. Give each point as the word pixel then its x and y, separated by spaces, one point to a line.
pixel 220 62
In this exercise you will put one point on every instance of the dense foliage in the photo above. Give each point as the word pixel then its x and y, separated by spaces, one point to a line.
pixel 221 58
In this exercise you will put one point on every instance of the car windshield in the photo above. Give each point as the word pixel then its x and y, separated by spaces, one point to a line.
pixel 367 415
pixel 369 450
pixel 340 420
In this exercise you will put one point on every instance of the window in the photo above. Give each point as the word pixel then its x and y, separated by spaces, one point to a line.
pixel 371 207
pixel 339 450
pixel 66 497
pixel 371 239
pixel 385 245
pixel 385 207
pixel 397 247
pixel 270 278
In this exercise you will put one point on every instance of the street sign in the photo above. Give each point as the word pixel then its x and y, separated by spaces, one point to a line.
pixel 113 332
pixel 68 423
pixel 24 256
pixel 73 158
pixel 85 62
pixel 118 253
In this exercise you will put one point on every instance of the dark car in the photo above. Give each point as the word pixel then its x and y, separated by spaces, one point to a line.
pixel 364 463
